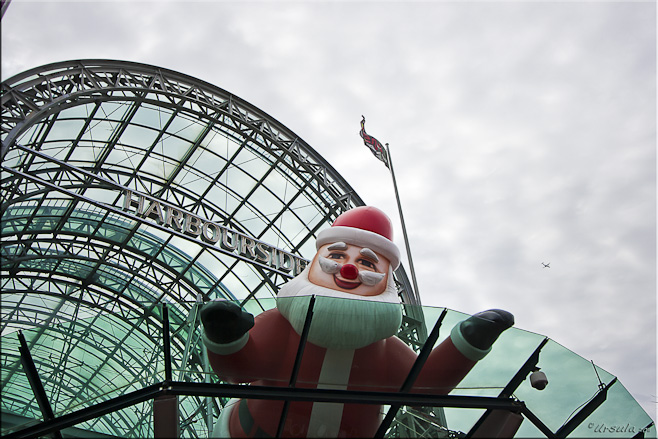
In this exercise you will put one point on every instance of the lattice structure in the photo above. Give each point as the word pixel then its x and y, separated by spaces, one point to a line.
pixel 106 168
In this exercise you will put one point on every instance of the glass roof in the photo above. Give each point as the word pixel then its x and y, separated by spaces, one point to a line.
pixel 126 187
pixel 136 361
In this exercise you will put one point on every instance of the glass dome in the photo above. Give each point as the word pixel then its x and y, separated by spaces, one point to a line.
pixel 126 186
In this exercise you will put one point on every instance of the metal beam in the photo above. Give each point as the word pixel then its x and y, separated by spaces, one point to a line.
pixel 35 382
pixel 413 373
pixel 513 384
pixel 340 396
pixel 537 423
pixel 640 434
pixel 166 347
pixel 165 408
pixel 589 408
pixel 94 411
pixel 267 392
pixel 11 421
pixel 297 364
pixel 523 372
pixel 5 5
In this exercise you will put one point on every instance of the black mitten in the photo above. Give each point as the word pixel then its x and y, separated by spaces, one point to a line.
pixel 225 322
pixel 482 329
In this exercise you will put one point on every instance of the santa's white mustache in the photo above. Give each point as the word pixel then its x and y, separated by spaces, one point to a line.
pixel 369 278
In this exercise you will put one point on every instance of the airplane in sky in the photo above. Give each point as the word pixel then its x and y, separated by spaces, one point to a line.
pixel 546 265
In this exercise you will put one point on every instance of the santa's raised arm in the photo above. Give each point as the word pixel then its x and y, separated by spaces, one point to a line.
pixel 351 342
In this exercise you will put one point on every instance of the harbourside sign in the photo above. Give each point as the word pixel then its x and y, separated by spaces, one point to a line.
pixel 212 233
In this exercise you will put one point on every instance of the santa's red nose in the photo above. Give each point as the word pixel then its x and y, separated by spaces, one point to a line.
pixel 349 271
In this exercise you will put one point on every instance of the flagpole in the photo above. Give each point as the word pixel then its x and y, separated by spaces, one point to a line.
pixel 404 228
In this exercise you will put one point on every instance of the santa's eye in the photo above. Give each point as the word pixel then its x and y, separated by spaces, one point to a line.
pixel 367 263
pixel 335 256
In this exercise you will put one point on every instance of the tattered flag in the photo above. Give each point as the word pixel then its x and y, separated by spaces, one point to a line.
pixel 373 144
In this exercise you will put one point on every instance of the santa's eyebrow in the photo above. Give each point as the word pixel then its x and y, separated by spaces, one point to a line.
pixel 369 254
pixel 337 246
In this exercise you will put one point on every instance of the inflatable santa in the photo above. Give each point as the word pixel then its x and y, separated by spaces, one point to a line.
pixel 351 342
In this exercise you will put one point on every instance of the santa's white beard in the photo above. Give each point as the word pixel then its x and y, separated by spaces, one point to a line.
pixel 340 320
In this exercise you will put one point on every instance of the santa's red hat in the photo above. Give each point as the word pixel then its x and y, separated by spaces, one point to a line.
pixel 364 226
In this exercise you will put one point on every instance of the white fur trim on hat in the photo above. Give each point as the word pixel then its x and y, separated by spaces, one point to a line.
pixel 361 238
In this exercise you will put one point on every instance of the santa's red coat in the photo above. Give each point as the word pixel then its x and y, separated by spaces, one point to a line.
pixel 268 357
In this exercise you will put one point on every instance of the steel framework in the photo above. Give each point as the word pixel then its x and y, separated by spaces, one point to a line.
pixel 84 277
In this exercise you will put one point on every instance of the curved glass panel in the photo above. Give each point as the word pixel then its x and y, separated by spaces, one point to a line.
pixel 126 186
pixel 132 358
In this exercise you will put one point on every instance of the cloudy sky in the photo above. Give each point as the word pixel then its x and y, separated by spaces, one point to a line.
pixel 521 133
